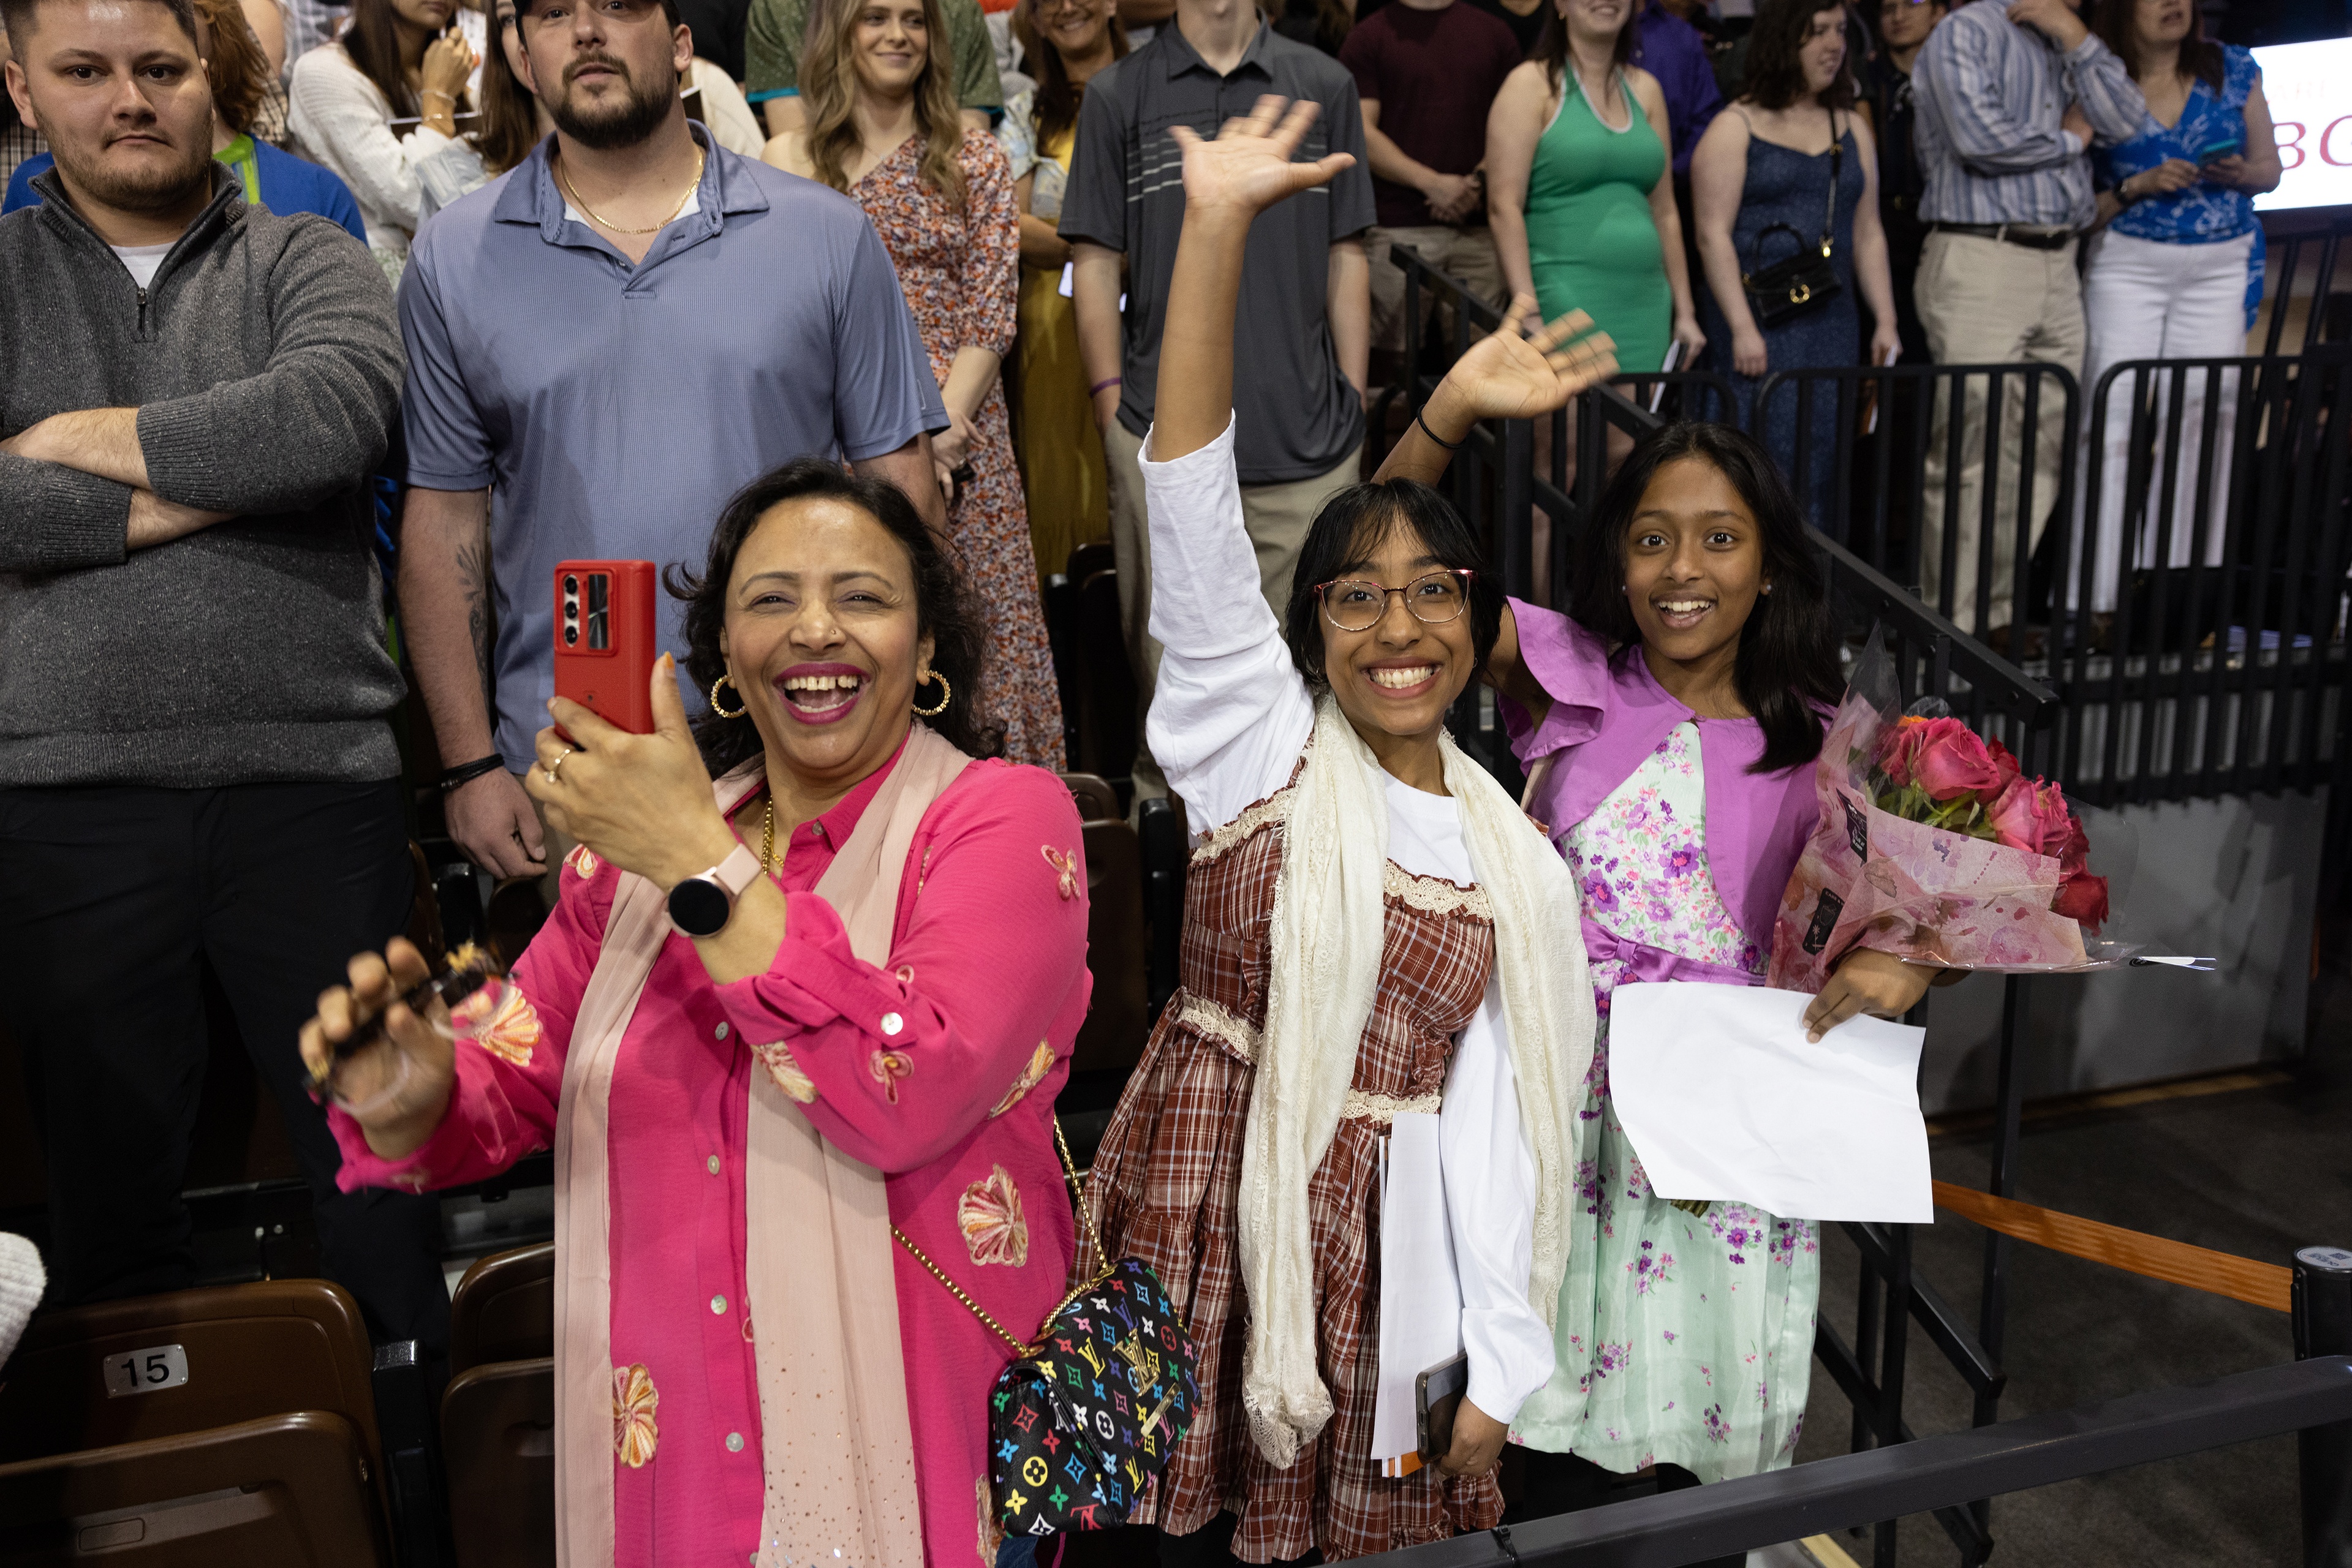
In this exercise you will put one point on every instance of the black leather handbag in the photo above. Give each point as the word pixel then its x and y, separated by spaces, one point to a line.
pixel 1808 280
pixel 1086 1414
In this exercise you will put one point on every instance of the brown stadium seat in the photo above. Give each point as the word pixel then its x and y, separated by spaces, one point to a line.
pixel 1117 956
pixel 188 1362
pixel 504 1308
pixel 1096 800
pixel 291 1491
pixel 498 1447
pixel 1103 680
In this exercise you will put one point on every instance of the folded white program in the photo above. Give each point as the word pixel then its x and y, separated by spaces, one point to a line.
pixel 1724 1099
pixel 1421 1299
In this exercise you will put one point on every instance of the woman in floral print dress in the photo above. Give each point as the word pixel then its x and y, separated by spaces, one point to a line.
pixel 884 127
pixel 1670 726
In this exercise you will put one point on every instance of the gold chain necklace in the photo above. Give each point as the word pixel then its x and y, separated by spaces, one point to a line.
pixel 768 838
pixel 565 181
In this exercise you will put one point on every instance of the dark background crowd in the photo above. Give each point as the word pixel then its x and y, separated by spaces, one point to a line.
pixel 196 774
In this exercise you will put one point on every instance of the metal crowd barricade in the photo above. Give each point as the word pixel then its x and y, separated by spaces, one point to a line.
pixel 2206 654
pixel 1883 419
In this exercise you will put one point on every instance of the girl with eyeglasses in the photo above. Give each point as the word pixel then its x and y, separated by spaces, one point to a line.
pixel 1373 932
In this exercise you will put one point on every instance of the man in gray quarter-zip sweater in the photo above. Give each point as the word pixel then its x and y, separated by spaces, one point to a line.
pixel 195 770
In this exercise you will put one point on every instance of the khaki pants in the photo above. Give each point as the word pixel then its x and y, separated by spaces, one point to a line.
pixel 1466 255
pixel 1984 301
pixel 1277 518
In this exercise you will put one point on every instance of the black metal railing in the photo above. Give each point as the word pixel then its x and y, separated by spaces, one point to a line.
pixel 2204 616
pixel 1952 505
pixel 2301 274
pixel 2311 1397
pixel 1917 1477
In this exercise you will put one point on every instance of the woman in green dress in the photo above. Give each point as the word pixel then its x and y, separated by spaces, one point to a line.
pixel 1579 196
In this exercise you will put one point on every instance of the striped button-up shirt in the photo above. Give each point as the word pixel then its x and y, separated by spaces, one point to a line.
pixel 1990 96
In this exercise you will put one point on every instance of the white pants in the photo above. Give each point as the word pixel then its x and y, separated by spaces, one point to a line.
pixel 2143 300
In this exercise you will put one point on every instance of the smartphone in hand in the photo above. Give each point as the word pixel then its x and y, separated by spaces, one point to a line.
pixel 605 640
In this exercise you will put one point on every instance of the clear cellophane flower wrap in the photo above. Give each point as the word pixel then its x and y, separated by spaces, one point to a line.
pixel 1946 891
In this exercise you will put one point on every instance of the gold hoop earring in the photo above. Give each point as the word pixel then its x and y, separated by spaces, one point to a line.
pixel 721 712
pixel 947 694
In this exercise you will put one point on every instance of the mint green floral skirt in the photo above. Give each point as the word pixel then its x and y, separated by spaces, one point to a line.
pixel 1687 1339
pixel 1682 1339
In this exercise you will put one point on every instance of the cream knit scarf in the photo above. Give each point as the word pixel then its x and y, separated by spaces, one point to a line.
pixel 1326 941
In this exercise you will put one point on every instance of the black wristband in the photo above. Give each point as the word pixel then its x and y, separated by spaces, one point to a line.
pixel 1449 446
pixel 466 772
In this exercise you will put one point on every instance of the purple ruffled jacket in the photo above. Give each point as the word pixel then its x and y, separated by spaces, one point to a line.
pixel 1607 714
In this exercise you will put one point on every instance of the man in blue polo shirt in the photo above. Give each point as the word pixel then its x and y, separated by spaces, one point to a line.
pixel 603 345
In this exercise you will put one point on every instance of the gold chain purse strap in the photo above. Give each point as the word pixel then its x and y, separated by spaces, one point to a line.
pixel 1086 1221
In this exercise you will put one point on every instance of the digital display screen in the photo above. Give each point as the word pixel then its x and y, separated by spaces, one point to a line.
pixel 2309 89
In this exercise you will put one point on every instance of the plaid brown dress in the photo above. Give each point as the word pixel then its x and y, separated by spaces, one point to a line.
pixel 1168 1180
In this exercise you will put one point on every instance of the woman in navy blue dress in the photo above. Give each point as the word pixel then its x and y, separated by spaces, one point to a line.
pixel 1762 183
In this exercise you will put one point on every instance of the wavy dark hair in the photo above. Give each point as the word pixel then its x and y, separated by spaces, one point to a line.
pixel 944 608
pixel 373 42
pixel 1055 107
pixel 1788 660
pixel 1551 46
pixel 2200 56
pixel 510 125
pixel 1776 70
pixel 1357 521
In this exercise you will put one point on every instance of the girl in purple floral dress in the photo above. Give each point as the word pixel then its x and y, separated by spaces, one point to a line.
pixel 1670 726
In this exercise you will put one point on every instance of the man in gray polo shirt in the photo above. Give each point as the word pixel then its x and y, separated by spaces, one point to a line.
pixel 603 345
pixel 1304 332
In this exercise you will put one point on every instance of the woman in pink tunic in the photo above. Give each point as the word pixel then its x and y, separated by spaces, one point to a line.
pixel 866 1036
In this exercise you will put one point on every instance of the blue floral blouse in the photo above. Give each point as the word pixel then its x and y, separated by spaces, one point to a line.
pixel 2205 213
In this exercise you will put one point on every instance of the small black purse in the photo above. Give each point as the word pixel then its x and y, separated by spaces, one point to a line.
pixel 1086 1414
pixel 1803 282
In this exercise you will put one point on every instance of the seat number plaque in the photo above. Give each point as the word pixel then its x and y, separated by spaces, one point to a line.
pixel 145 1370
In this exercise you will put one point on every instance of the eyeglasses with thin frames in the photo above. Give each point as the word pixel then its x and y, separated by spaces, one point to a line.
pixel 1354 605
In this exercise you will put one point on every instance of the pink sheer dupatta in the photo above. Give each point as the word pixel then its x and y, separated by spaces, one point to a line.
pixel 836 1440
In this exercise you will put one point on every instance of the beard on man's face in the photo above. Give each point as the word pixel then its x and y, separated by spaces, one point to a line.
pixel 153 182
pixel 611 124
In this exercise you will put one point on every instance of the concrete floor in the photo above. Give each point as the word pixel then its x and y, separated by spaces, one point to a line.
pixel 2258 1172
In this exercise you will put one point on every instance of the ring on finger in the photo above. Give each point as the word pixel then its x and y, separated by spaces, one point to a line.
pixel 553 767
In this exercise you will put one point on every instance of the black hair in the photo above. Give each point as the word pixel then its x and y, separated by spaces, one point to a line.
pixel 944 609
pixel 1776 69
pixel 1788 659
pixel 17 21
pixel 1356 522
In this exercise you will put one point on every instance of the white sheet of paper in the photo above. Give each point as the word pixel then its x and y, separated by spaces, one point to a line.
pixel 1420 1302
pixel 1723 1098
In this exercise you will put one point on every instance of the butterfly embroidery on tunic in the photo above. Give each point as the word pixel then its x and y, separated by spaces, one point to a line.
pixel 994 1230
pixel 635 1400
pixel 787 1073
pixel 500 1020
pixel 888 1067
pixel 1041 1062
pixel 1065 862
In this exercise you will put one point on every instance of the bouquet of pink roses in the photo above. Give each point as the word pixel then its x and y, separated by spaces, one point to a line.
pixel 1933 845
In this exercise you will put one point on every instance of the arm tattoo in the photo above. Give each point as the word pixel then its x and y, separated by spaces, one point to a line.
pixel 473 565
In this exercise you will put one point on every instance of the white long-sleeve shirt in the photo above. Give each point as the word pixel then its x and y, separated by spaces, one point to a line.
pixel 343 121
pixel 1229 716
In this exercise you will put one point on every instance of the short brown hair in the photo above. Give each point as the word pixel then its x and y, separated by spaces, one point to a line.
pixel 17 18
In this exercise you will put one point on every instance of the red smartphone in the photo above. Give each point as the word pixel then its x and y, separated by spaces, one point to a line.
pixel 605 640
